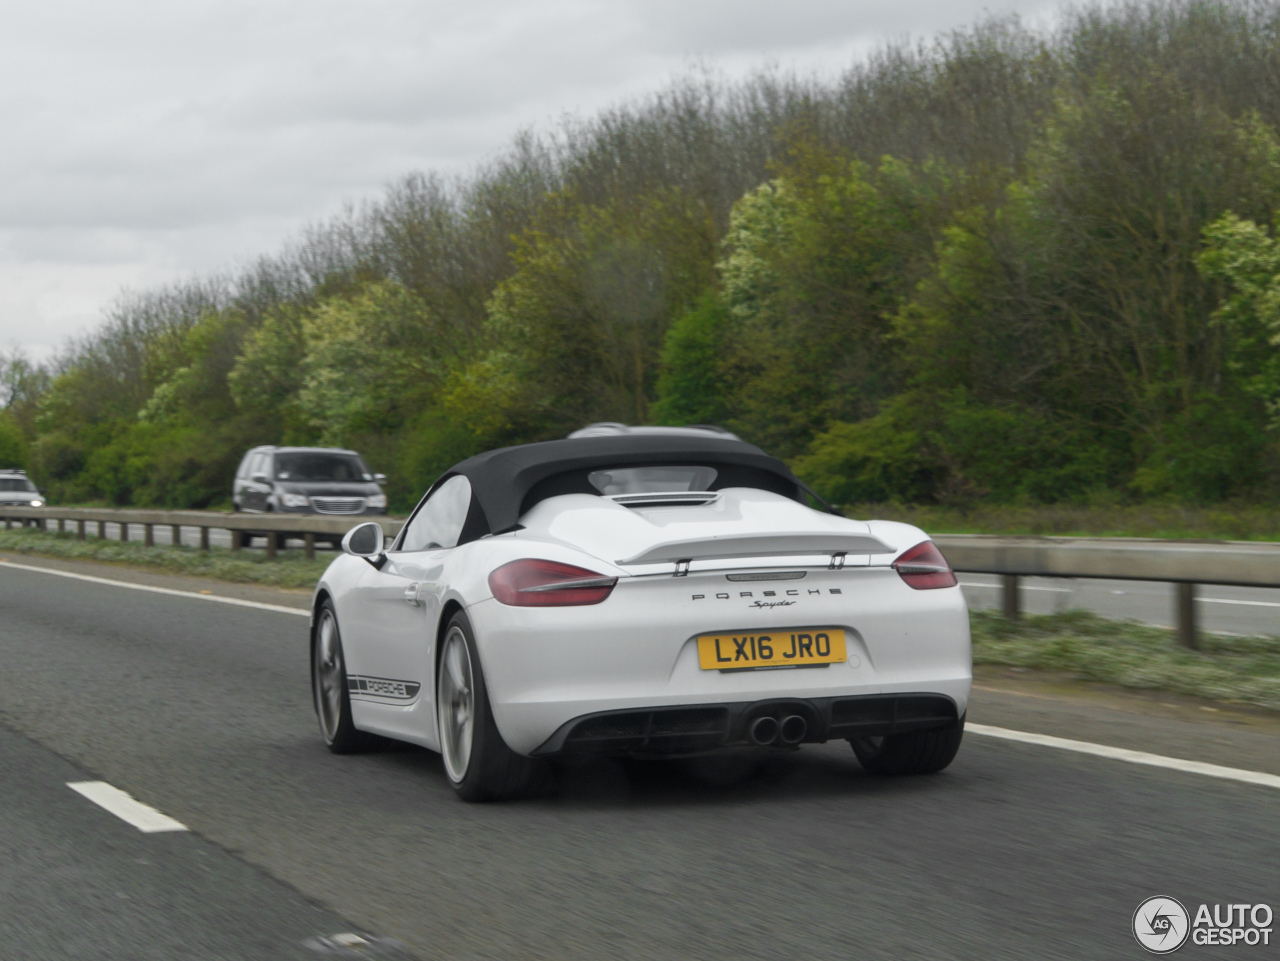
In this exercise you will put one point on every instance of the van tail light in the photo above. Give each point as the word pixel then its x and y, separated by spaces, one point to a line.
pixel 924 568
pixel 537 583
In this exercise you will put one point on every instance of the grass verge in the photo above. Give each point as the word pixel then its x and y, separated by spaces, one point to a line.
pixel 1239 522
pixel 1084 645
pixel 290 569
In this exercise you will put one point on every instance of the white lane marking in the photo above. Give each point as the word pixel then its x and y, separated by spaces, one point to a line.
pixel 1227 600
pixel 142 816
pixel 1132 757
pixel 1025 587
pixel 279 608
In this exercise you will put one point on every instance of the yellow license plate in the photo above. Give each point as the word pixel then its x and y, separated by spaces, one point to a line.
pixel 746 651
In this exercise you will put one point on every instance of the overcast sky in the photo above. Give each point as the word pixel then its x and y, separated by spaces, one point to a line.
pixel 147 141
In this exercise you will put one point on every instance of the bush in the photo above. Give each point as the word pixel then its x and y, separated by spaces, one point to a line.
pixel 878 459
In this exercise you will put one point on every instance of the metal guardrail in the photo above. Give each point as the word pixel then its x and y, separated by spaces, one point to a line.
pixel 277 528
pixel 1183 563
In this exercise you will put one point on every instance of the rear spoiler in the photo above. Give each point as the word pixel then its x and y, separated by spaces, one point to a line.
pixel 760 545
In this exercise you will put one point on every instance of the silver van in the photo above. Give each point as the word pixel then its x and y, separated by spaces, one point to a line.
pixel 307 480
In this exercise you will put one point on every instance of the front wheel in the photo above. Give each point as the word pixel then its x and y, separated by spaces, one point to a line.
pixel 477 761
pixel 914 752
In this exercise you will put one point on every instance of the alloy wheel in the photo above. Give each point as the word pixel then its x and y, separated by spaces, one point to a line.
pixel 456 702
pixel 330 676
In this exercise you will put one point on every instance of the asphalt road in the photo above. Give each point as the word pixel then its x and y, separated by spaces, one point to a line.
pixel 203 711
pixel 1233 610
pixel 78 882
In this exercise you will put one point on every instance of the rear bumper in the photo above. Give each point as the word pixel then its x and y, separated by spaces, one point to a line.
pixel 695 728
pixel 636 652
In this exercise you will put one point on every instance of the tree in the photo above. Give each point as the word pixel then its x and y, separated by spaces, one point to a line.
pixel 1246 259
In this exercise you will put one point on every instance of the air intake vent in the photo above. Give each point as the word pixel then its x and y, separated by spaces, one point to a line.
pixel 666 499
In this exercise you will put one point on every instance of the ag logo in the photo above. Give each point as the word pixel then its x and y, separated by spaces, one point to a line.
pixel 1161 925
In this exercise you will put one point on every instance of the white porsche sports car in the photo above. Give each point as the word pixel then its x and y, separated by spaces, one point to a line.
pixel 649 592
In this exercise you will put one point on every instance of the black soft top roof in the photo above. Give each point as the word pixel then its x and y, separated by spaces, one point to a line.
pixel 508 481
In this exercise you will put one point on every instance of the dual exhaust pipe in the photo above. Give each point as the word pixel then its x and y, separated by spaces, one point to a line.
pixel 767 729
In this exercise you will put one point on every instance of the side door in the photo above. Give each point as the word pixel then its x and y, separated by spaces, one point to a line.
pixel 391 621
pixel 253 496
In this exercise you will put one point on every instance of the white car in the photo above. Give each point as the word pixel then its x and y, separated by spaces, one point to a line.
pixel 16 489
pixel 637 591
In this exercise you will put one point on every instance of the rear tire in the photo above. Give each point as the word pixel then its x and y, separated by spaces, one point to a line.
pixel 915 752
pixel 477 761
pixel 329 688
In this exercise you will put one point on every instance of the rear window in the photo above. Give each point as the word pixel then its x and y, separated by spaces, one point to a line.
pixel 16 484
pixel 652 480
pixel 321 467
pixel 657 479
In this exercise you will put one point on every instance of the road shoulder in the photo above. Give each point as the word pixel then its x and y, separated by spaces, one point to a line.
pixel 1158 722
pixel 262 594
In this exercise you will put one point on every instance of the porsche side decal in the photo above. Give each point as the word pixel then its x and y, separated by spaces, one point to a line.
pixel 383 687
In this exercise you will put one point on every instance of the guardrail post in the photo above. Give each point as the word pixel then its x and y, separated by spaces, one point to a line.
pixel 309 540
pixel 235 540
pixel 61 526
pixel 124 532
pixel 204 538
pixel 102 530
pixel 1010 596
pixel 80 530
pixel 6 523
pixel 271 545
pixel 149 535
pixel 175 535
pixel 1185 610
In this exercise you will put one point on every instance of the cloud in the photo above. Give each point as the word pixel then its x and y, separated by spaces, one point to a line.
pixel 149 140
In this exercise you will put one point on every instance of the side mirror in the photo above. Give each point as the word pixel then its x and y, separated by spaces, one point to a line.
pixel 261 479
pixel 364 540
pixel 379 478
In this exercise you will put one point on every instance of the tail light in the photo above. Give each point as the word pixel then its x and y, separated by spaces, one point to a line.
pixel 924 568
pixel 536 583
